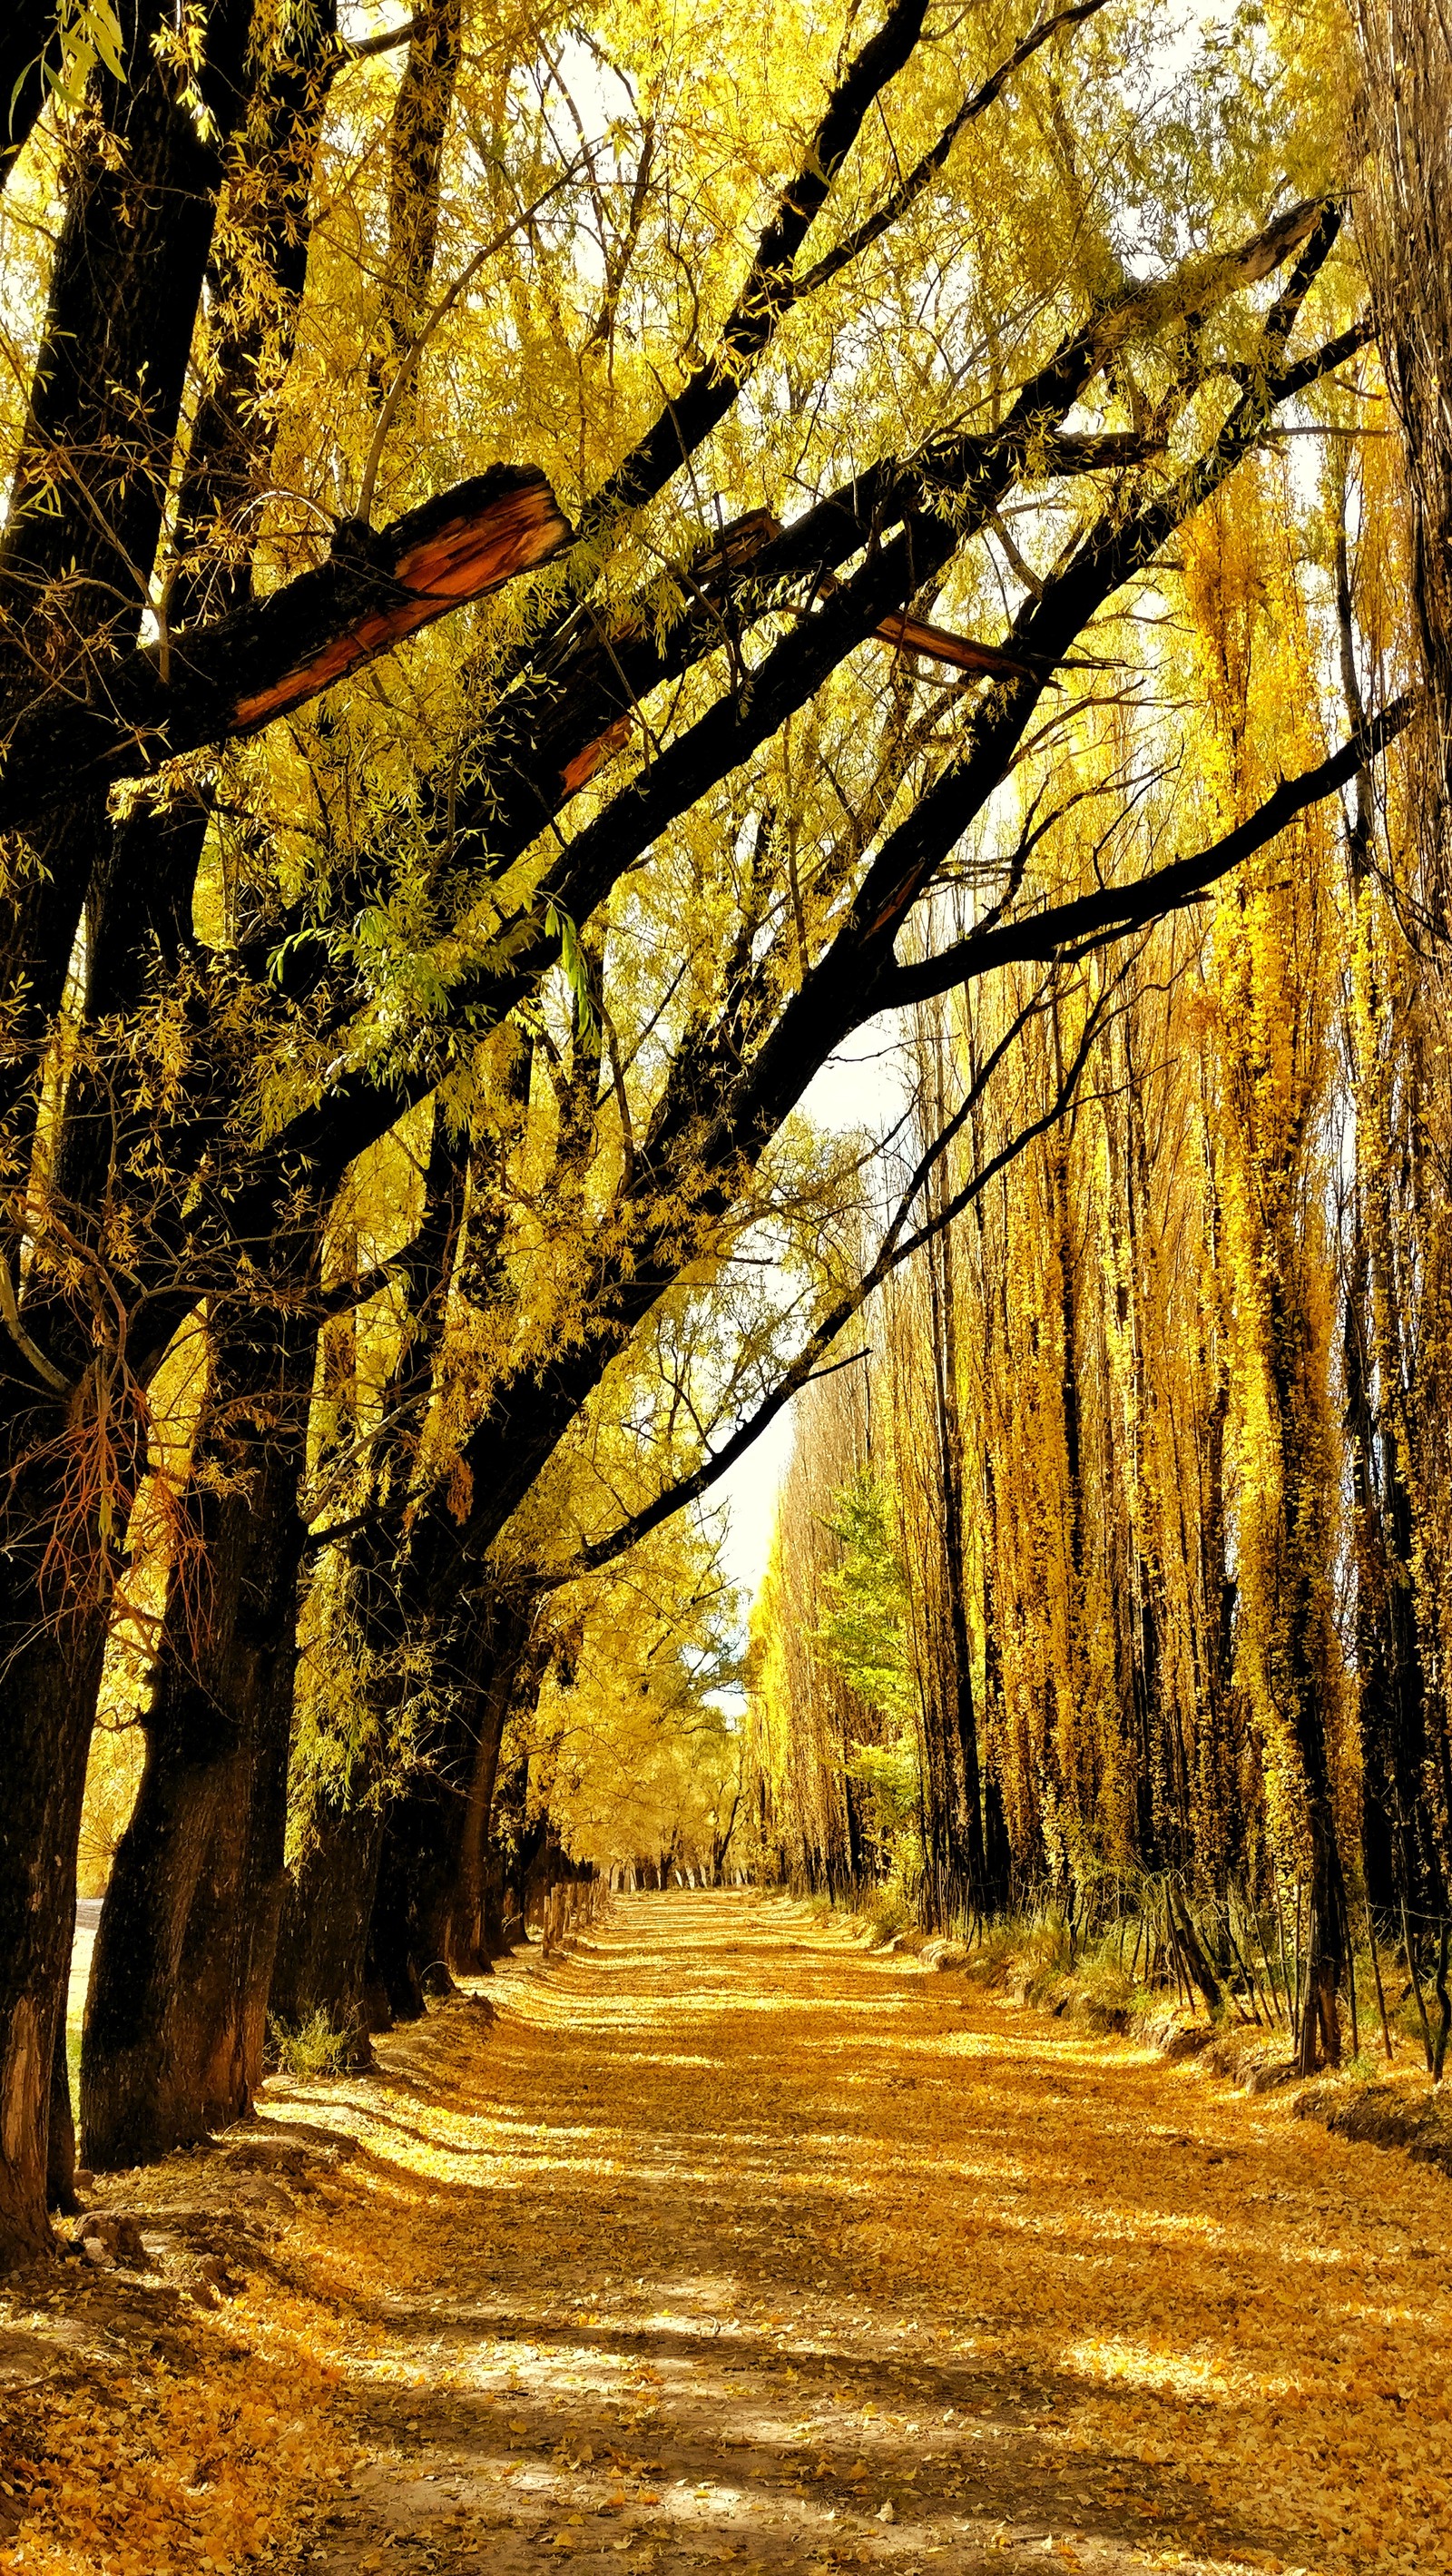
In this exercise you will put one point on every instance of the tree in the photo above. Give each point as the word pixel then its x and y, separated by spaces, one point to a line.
pixel 711 748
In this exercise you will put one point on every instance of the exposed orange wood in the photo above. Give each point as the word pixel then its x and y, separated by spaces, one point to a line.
pixel 462 559
pixel 738 544
pixel 578 772
pixel 733 552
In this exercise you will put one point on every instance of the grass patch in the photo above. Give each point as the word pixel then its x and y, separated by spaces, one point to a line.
pixel 888 1911
pixel 1123 1974
pixel 314 2047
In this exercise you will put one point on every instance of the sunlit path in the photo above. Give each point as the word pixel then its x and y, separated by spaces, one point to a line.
pixel 725 2243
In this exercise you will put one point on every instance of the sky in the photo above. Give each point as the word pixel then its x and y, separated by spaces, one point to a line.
pixel 857 1088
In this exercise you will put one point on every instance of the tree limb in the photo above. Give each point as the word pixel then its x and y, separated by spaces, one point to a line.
pixel 233 677
pixel 896 1247
pixel 1092 919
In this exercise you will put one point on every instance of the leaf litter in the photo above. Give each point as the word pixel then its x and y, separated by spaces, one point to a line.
pixel 717 2242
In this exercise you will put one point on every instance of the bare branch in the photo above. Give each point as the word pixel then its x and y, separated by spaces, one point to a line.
pixel 1092 919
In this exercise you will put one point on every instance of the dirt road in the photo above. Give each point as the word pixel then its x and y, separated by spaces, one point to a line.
pixel 727 2243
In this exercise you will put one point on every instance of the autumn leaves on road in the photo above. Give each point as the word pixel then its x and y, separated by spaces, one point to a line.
pixel 721 2242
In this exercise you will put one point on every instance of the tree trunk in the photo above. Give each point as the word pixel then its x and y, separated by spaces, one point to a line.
pixel 469 1939
pixel 1326 1943
pixel 132 2098
pixel 220 2010
pixel 519 1653
pixel 322 1942
pixel 178 1993
pixel 134 241
pixel 965 1814
pixel 430 1911
pixel 140 205
pixel 413 1872
pixel 49 1697
pixel 330 1960
pixel 60 2163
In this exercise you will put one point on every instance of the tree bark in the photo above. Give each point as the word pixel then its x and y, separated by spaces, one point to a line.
pixel 131 255
pixel 95 457
pixel 519 1657
pixel 60 2168
pixel 1326 1944
pixel 942 1276
pixel 95 461
pixel 46 1703
pixel 416 138
pixel 177 2003
pixel 433 1882
pixel 327 1907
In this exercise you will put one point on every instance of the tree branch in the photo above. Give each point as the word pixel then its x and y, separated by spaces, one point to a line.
pixel 383 43
pixel 235 676
pixel 1092 919
pixel 10 1315
pixel 712 387
pixel 897 1246
pixel 911 188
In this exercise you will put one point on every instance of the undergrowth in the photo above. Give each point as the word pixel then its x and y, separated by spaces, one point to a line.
pixel 312 2047
pixel 1119 1976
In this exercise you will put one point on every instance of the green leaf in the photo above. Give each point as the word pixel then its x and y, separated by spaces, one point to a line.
pixel 574 968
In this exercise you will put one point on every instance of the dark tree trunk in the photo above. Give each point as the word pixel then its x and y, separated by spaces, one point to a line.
pixel 136 231
pixel 423 1913
pixel 220 2011
pixel 469 1928
pixel 60 2162
pixel 141 903
pixel 430 1909
pixel 517 1845
pixel 997 1849
pixel 141 200
pixel 415 160
pixel 178 1995
pixel 1399 1853
pixel 413 1873
pixel 135 2102
pixel 950 1434
pixel 329 1959
pixel 132 254
pixel 1302 1664
pixel 1326 1944
pixel 518 1653
pixel 501 1925
pixel 322 1940
pixel 47 1699
pixel 409 1934
pixel 1377 1700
